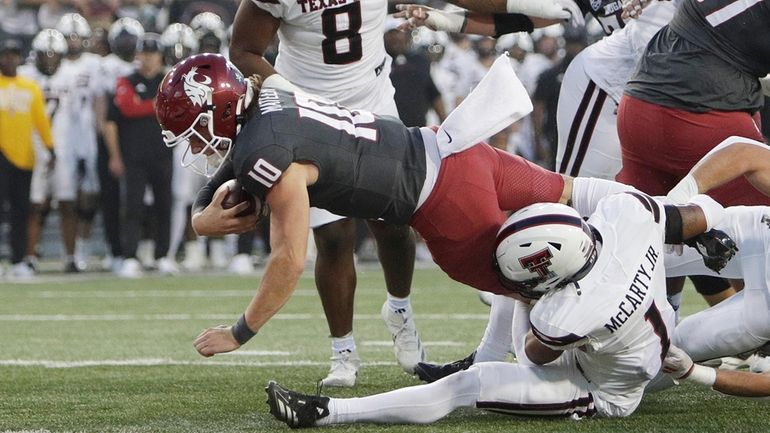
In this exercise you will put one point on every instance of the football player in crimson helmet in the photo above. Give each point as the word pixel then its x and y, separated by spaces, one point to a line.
pixel 204 112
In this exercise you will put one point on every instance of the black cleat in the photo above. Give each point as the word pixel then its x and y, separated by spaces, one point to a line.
pixel 432 372
pixel 295 409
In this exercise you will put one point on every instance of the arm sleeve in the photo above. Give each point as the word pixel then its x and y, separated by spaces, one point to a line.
pixel 512 23
pixel 206 194
pixel 40 119
pixel 556 339
pixel 587 191
pixel 129 103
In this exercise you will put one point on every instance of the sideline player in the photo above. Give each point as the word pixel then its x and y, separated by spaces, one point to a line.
pixel 78 146
pixel 337 51
pixel 48 49
pixel 399 174
pixel 599 330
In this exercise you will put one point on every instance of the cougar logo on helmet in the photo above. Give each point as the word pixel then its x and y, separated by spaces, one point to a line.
pixel 538 263
pixel 197 91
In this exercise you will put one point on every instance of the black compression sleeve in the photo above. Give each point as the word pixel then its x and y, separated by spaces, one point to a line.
pixel 673 225
pixel 512 23
pixel 206 194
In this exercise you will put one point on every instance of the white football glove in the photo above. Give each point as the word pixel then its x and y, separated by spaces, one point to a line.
pixel 548 9
pixel 434 19
pixel 677 363
pixel 765 82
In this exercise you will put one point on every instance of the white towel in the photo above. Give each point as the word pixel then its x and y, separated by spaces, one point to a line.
pixel 499 100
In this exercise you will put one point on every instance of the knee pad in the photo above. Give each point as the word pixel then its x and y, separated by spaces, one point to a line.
pixel 707 286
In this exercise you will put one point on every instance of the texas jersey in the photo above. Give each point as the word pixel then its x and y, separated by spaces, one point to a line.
pixel 369 166
pixel 112 68
pixel 329 47
pixel 611 61
pixel 78 111
pixel 617 316
pixel 54 88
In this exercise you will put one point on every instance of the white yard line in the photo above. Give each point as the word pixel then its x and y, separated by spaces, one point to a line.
pixel 153 362
pixel 388 343
pixel 183 317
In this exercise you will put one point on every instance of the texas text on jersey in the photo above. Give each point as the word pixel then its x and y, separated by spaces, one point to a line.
pixel 369 166
pixel 348 32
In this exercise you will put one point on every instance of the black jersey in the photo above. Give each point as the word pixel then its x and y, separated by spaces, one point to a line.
pixel 369 166
pixel 607 13
pixel 708 58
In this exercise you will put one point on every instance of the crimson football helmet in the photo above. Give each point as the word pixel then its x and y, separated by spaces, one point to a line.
pixel 203 97
pixel 543 247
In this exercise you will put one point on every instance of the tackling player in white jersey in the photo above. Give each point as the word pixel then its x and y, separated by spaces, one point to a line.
pixel 600 323
pixel 78 145
pixel 335 49
pixel 48 49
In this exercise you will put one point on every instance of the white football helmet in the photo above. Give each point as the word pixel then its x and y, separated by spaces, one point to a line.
pixel 542 247
pixel 74 24
pixel 123 36
pixel 179 42
pixel 209 22
pixel 49 46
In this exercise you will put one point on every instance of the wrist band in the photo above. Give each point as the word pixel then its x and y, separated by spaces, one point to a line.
pixel 705 376
pixel 241 331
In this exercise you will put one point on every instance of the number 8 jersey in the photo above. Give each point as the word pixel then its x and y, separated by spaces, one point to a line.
pixel 334 48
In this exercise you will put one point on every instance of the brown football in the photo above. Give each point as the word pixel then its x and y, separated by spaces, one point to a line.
pixel 237 195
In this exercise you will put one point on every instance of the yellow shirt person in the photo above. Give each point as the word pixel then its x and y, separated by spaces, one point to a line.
pixel 22 111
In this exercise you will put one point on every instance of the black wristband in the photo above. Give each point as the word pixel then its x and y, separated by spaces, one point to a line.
pixel 512 23
pixel 241 331
pixel 673 225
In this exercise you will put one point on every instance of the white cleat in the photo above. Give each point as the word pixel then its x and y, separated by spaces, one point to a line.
pixel 406 341
pixel 131 268
pixel 343 371
pixel 241 264
pixel 167 266
pixel 759 363
pixel 21 271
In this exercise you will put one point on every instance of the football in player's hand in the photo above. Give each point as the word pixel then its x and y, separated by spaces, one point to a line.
pixel 237 195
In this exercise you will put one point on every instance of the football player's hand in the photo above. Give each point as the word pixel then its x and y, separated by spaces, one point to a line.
pixel 51 164
pixel 214 220
pixel 216 340
pixel 633 8
pixel 716 247
pixel 117 168
pixel 434 19
pixel 549 9
pixel 677 363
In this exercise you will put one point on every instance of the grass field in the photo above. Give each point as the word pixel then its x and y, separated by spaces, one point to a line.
pixel 98 354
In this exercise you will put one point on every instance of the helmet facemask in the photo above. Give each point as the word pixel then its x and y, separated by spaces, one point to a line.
pixel 216 149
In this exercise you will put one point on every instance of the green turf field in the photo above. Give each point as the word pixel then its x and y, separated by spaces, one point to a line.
pixel 99 354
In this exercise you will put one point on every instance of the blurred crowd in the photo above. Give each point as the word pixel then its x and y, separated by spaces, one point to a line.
pixel 112 197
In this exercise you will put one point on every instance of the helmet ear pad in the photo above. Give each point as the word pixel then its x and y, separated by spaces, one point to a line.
pixel 543 247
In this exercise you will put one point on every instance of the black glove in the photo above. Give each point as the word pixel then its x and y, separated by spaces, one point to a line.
pixel 716 247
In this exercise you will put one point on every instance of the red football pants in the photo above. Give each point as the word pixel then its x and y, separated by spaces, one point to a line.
pixel 660 145
pixel 474 190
